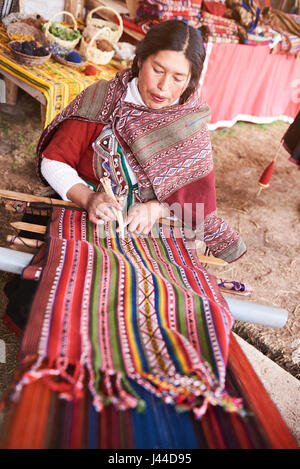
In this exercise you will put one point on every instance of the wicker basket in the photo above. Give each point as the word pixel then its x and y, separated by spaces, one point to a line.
pixel 22 29
pixel 62 61
pixel 56 40
pixel 31 60
pixel 92 53
pixel 110 31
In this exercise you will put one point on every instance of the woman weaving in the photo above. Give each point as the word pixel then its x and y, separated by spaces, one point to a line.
pixel 126 329
pixel 160 91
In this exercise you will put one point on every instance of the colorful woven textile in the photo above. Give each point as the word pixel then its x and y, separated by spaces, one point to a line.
pixel 59 83
pixel 245 12
pixel 290 44
pixel 138 308
pixel 163 10
pixel 281 21
pixel 127 346
pixel 218 29
pixel 213 7
pixel 220 21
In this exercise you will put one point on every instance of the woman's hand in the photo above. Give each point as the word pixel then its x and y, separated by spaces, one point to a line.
pixel 101 207
pixel 98 205
pixel 141 217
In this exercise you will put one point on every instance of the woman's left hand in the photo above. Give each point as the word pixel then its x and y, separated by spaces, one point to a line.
pixel 141 217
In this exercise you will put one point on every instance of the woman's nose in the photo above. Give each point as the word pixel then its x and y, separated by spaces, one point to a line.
pixel 163 83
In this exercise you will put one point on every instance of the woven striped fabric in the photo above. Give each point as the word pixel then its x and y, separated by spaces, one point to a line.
pixel 139 308
pixel 41 420
pixel 127 346
pixel 58 83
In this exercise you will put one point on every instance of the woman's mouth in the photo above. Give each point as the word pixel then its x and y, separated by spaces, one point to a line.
pixel 158 99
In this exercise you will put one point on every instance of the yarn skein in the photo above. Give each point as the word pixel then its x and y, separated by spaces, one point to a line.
pixel 73 57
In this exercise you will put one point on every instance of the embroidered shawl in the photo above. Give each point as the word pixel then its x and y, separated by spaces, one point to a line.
pixel 167 148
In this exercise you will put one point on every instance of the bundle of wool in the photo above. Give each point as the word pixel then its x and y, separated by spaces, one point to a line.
pixel 90 70
pixel 74 57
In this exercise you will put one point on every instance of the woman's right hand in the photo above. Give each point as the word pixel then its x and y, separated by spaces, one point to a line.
pixel 99 207
pixel 97 204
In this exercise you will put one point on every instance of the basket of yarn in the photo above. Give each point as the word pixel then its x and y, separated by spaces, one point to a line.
pixel 63 35
pixel 68 57
pixel 97 50
pixel 29 53
pixel 110 31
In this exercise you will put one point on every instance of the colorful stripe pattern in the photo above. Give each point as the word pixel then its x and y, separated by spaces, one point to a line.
pixel 139 308
pixel 127 346
pixel 58 83
pixel 41 420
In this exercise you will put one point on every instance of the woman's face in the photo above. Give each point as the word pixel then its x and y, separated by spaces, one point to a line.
pixel 163 77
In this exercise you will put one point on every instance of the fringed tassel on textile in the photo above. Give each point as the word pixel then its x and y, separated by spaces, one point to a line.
pixel 193 392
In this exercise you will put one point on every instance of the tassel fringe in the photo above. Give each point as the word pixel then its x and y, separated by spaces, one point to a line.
pixel 194 392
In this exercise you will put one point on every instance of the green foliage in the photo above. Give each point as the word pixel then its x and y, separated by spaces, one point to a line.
pixel 32 149
pixel 65 34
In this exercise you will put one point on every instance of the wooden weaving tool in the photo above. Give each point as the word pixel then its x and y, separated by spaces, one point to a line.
pixel 108 190
pixel 40 229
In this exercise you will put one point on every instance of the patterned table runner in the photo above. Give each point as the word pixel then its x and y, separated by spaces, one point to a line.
pixel 60 84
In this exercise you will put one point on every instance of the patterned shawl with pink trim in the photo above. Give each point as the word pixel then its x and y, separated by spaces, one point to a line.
pixel 169 150
pixel 162 145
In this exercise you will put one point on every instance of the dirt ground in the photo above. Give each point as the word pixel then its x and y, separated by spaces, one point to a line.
pixel 269 223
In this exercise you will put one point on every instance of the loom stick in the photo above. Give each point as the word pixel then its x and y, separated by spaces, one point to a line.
pixel 35 198
pixel 108 189
pixel 242 310
pixel 20 225
pixel 211 260
pixel 26 242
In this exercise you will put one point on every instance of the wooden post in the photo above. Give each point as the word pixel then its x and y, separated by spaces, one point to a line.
pixel 21 6
pixel 11 92
pixel 76 8
pixel 43 114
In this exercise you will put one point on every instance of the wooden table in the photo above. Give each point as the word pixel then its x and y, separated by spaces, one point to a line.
pixel 12 84
pixel 52 84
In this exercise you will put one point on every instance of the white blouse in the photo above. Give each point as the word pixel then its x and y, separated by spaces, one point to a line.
pixel 61 176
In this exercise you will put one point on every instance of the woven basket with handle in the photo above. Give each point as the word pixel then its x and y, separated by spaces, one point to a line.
pixel 92 53
pixel 110 31
pixel 56 40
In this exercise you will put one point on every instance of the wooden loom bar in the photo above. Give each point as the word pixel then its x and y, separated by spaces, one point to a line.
pixel 26 242
pixel 48 200
pixel 42 230
pixel 35 199
pixel 20 225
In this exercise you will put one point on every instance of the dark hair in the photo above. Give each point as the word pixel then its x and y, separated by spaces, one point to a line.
pixel 176 36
